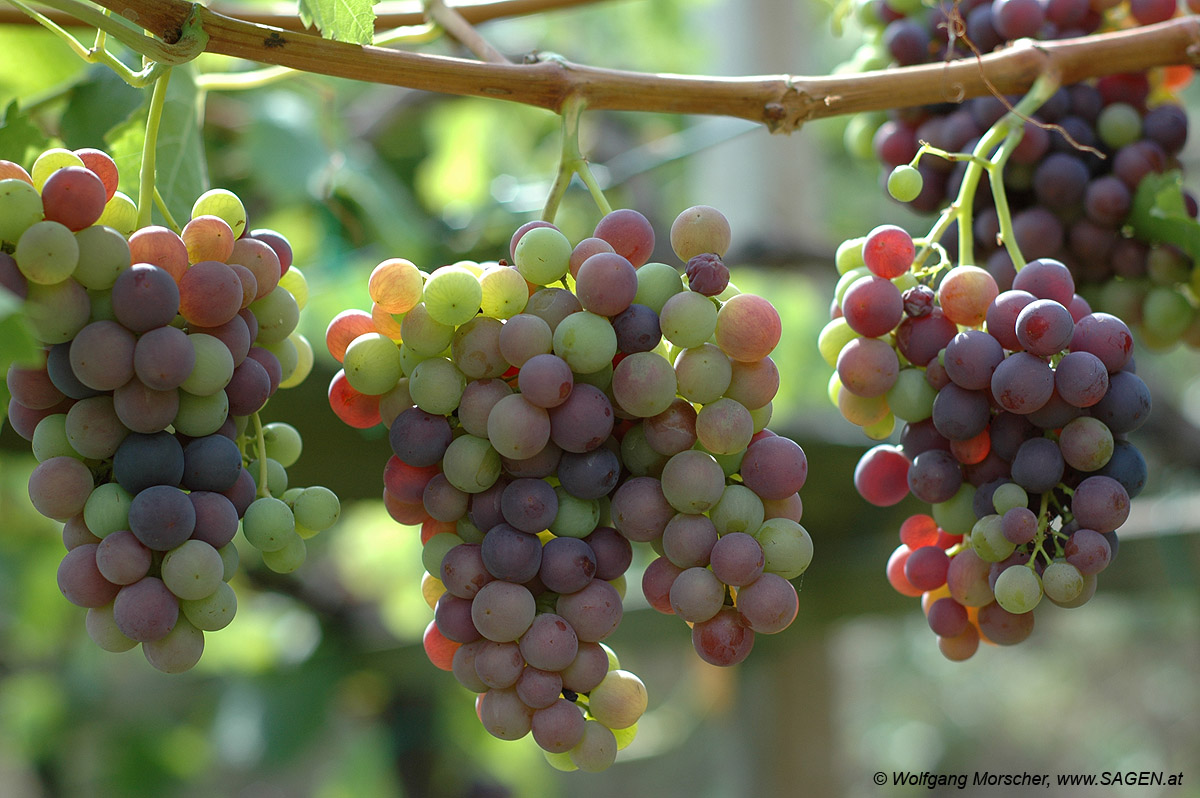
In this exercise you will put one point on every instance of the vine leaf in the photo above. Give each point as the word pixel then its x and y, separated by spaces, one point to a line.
pixel 180 172
pixel 1160 215
pixel 17 344
pixel 18 135
pixel 343 20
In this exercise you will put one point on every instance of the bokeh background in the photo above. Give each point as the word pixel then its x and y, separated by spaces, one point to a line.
pixel 320 686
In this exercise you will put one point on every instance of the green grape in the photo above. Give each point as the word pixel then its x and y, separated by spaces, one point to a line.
pixel 436 386
pixel 304 361
pixel 120 213
pixel 223 204
pixel 832 339
pixel 50 162
pixel 905 183
pixel 467 530
pixel 213 612
pixel 395 402
pixel 625 736
pixel 103 630
pixel 1062 582
pixel 688 319
pixel 656 283
pixel 289 558
pixel 505 292
pixel 372 364
pixel 179 651
pixel 619 700
pixel 57 312
pixel 287 354
pixel 47 253
pixel 597 750
pixel 192 570
pixel 1008 496
pixel 50 439
pixel 957 514
pixel 987 539
pixel 107 509
pixel 423 334
pixel 638 457
pixel 859 135
pixel 277 478
pixel 586 341
pixel 1018 589
pixel 20 208
pixel 230 560
pixel 435 550
pixel 543 255
pixel 576 518
pixel 761 416
pixel 103 254
pixel 452 295
pixel 849 254
pixel 558 761
pixel 1166 314
pixel 268 524
pixel 1119 124
pixel 283 443
pixel 294 282
pixel 213 369
pixel 881 429
pixel 201 415
pixel 846 280
pixel 471 464
pixel 787 547
pixel 911 397
pixel 739 510
pixel 317 508
pixel 277 315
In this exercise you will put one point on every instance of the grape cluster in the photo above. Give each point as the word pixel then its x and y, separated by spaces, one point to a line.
pixel 159 349
pixel 1016 404
pixel 548 413
pixel 1092 155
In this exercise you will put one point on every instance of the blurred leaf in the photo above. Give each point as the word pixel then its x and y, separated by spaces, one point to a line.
pixel 344 20
pixel 1159 214
pixel 98 103
pixel 17 344
pixel 35 62
pixel 18 135
pixel 181 173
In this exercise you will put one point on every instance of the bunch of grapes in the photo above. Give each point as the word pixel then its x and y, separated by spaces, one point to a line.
pixel 546 415
pixel 159 349
pixel 1095 158
pixel 1017 405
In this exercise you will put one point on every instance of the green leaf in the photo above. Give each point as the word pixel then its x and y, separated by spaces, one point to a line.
pixel 1160 216
pixel 344 20
pixel 95 105
pixel 17 344
pixel 181 172
pixel 18 135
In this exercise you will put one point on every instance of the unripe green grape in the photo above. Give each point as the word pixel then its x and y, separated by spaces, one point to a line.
pixel 881 429
pixel 213 612
pixel 295 283
pixel 317 508
pixel 905 183
pixel 436 548
pixel 423 334
pixel 178 651
pixel 1119 124
pixel 586 341
pixel 230 560
pixel 787 547
pixel 543 255
pixel 1018 589
pixel 619 700
pixel 848 279
pixel 849 254
pixel 120 213
pixel 471 464
pixel 505 292
pixel 637 456
pixel 833 338
pixel 223 204
pixel 103 255
pixel 304 361
pixel 50 162
pixel 698 230
pixel 287 354
pixel 1008 496
pixel 656 283
pixel 50 439
pixel 577 518
pixel 988 541
pixel 957 514
pixel 452 295
pixel 47 252
pixel 911 397
pixel 761 416
pixel 213 368
pixel 277 478
pixel 283 441
pixel 597 750
pixel 739 510
pixel 268 524
pixel 57 312
pixel 192 570
pixel 436 386
pixel 1166 313
pixel 201 415
pixel 289 558
pixel 688 319
pixel 859 135
pixel 1062 582
pixel 20 208
pixel 107 509
pixel 558 761
pixel 103 630
pixel 372 364
pixel 277 315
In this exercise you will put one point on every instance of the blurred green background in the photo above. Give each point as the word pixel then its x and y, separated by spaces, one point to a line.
pixel 320 686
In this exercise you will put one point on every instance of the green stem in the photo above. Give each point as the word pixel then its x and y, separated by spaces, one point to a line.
pixel 1000 195
pixel 260 449
pixel 1039 539
pixel 146 190
pixel 573 163
pixel 161 204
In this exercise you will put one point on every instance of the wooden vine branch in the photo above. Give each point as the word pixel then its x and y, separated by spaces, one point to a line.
pixel 781 102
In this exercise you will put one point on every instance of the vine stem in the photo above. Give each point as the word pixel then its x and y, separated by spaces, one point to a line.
pixel 260 449
pixel 146 190
pixel 781 102
pixel 449 20
pixel 573 163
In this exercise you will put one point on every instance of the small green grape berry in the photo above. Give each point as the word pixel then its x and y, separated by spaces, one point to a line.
pixel 905 183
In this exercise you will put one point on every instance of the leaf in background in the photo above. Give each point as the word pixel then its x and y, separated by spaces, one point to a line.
pixel 181 174
pixel 344 20
pixel 95 105
pixel 18 135
pixel 1159 214
pixel 17 344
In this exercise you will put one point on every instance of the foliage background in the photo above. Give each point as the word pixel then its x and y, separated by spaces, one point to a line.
pixel 320 687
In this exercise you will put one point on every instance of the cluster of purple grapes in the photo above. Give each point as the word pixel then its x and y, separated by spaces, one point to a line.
pixel 1073 180
pixel 1016 404
pixel 156 350
pixel 548 414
